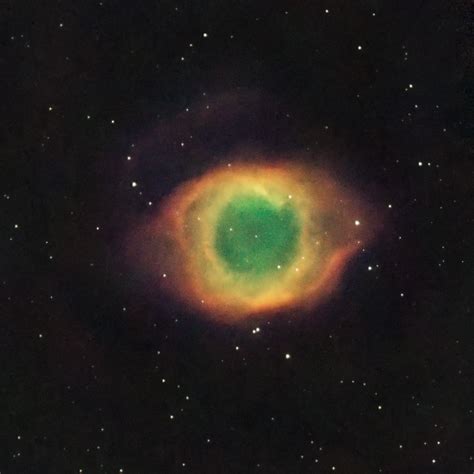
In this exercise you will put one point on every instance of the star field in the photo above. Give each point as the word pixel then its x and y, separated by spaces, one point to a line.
pixel 111 362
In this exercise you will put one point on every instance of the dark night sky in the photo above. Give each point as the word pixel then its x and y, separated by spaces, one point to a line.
pixel 97 376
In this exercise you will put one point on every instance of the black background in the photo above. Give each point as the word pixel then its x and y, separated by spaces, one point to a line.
pixel 380 379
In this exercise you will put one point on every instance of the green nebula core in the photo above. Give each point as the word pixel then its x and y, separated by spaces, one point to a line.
pixel 255 236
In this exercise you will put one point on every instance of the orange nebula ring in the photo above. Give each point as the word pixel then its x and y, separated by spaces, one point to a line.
pixel 175 249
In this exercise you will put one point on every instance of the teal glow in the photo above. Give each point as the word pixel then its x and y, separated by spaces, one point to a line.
pixel 255 236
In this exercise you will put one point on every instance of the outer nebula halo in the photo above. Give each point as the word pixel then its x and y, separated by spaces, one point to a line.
pixel 252 238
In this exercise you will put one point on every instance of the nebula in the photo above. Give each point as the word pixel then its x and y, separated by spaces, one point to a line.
pixel 253 237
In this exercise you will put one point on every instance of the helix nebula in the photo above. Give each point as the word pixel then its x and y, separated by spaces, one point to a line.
pixel 253 237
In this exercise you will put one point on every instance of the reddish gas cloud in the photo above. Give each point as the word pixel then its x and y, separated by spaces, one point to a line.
pixel 173 247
